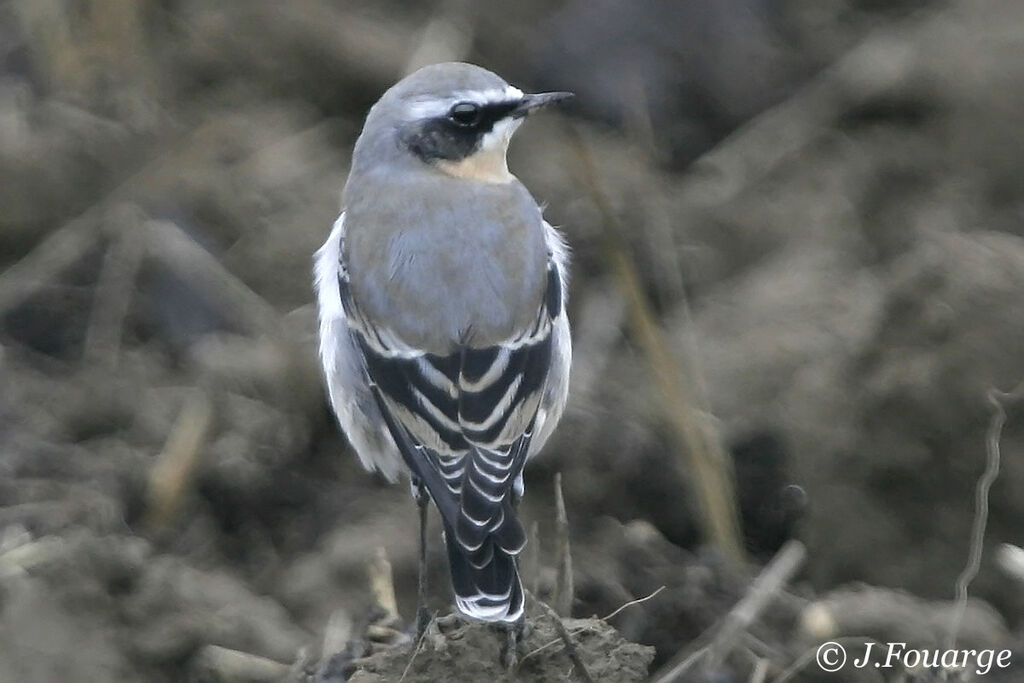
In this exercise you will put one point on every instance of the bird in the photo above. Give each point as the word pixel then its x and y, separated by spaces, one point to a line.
pixel 443 332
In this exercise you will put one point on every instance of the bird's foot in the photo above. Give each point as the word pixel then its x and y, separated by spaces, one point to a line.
pixel 449 622
pixel 442 625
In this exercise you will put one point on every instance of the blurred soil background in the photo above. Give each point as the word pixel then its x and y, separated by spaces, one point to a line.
pixel 823 200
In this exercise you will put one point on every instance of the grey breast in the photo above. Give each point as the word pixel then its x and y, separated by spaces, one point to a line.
pixel 443 261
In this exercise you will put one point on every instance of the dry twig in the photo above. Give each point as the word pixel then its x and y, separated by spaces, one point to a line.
pixel 997 400
pixel 419 648
pixel 768 584
pixel 579 667
pixel 576 631
pixel 564 592
pixel 760 670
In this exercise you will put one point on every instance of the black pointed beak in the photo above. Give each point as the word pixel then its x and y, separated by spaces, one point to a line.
pixel 531 102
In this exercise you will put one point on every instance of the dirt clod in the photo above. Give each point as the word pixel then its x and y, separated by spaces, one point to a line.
pixel 472 652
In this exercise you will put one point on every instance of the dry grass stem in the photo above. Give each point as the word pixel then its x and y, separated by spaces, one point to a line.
pixel 696 437
pixel 68 244
pixel 115 288
pixel 171 475
pixel 337 633
pixel 531 570
pixel 232 666
pixel 382 584
pixel 446 37
pixel 170 245
pixel 877 65
pixel 564 592
pixel 633 602
pixel 760 672
pixel 62 248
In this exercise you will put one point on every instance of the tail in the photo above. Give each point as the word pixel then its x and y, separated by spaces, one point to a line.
pixel 485 576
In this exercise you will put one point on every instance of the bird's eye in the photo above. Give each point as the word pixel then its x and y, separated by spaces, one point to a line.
pixel 464 114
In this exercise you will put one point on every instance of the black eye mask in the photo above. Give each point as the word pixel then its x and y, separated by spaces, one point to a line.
pixel 456 134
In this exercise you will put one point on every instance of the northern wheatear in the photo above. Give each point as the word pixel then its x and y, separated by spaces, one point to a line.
pixel 443 332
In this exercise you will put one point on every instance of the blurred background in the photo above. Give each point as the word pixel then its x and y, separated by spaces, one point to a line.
pixel 821 201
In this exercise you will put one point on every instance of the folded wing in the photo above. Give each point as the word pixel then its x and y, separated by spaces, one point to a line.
pixel 463 423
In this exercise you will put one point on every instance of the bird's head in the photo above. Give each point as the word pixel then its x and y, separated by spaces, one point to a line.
pixel 457 118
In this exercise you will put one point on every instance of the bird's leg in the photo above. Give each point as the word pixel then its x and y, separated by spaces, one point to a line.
pixel 514 632
pixel 510 648
pixel 422 613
